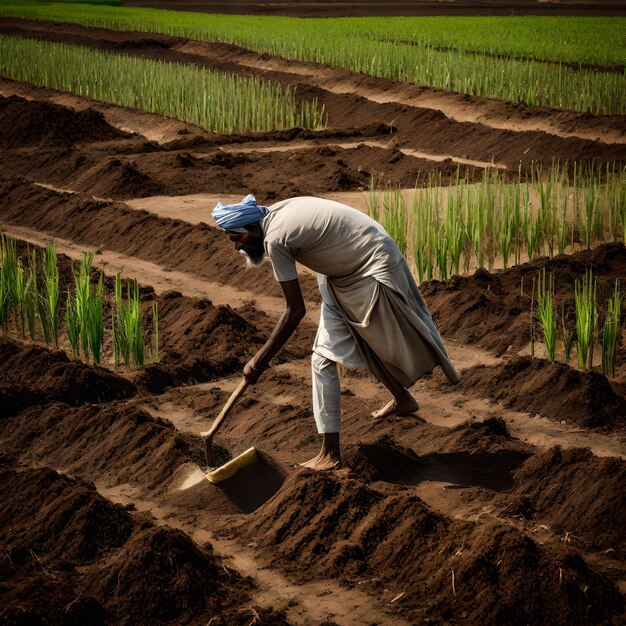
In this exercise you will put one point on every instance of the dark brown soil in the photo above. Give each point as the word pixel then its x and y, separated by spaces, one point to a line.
pixel 76 558
pixel 134 168
pixel 170 579
pixel 553 390
pixel 33 375
pixel 493 309
pixel 587 505
pixel 474 454
pixel 339 526
pixel 117 179
pixel 130 443
pixel 200 342
pixel 60 518
pixel 31 122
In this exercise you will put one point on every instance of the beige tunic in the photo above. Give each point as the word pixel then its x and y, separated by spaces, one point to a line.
pixel 364 281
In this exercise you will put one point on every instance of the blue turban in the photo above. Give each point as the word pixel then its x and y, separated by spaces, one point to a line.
pixel 229 216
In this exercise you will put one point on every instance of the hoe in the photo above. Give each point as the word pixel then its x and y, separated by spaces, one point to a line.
pixel 246 458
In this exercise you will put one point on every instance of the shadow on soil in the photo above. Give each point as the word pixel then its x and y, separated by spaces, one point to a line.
pixel 463 469
pixel 491 470
pixel 254 485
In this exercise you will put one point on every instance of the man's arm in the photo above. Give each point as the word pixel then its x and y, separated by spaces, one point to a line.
pixel 289 321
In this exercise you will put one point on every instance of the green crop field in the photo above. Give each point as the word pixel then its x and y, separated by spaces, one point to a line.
pixel 216 101
pixel 454 227
pixel 528 59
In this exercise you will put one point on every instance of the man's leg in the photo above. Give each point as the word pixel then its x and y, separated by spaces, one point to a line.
pixel 403 402
pixel 327 412
pixel 335 340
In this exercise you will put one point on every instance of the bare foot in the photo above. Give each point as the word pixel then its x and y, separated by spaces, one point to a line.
pixel 408 407
pixel 323 462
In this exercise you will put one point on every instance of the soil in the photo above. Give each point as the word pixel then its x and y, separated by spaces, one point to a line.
pixel 500 501
pixel 81 559
pixel 577 509
pixel 493 309
pixel 551 389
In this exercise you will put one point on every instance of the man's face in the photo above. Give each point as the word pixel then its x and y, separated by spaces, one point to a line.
pixel 250 244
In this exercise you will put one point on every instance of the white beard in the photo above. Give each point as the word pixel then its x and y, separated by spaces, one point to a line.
pixel 250 262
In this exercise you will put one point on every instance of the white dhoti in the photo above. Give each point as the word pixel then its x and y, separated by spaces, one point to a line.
pixel 380 323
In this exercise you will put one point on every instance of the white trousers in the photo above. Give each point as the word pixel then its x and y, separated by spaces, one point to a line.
pixel 326 394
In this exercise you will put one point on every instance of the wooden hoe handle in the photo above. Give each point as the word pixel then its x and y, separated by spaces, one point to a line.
pixel 243 385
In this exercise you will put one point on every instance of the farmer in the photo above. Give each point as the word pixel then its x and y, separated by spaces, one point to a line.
pixel 372 316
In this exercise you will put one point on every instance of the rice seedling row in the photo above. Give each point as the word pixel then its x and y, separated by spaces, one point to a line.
pixel 127 318
pixel 33 293
pixel 590 328
pixel 410 50
pixel 219 102
pixel 463 225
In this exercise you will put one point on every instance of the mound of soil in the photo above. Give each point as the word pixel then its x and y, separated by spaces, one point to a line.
pixel 333 525
pixel 478 454
pixel 118 441
pixel 161 576
pixel 498 575
pixel 59 518
pixel 199 342
pixel 216 340
pixel 32 122
pixel 117 178
pixel 575 493
pixel 489 308
pixel 553 390
pixel 129 571
pixel 175 244
pixel 275 175
pixel 192 326
pixel 382 460
pixel 32 594
pixel 489 436
pixel 34 375
pixel 339 525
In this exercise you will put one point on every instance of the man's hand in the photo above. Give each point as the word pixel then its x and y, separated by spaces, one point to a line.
pixel 252 372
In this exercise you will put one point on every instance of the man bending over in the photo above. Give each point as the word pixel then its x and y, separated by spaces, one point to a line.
pixel 372 316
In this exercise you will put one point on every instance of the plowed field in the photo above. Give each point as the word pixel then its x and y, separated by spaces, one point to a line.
pixel 502 501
